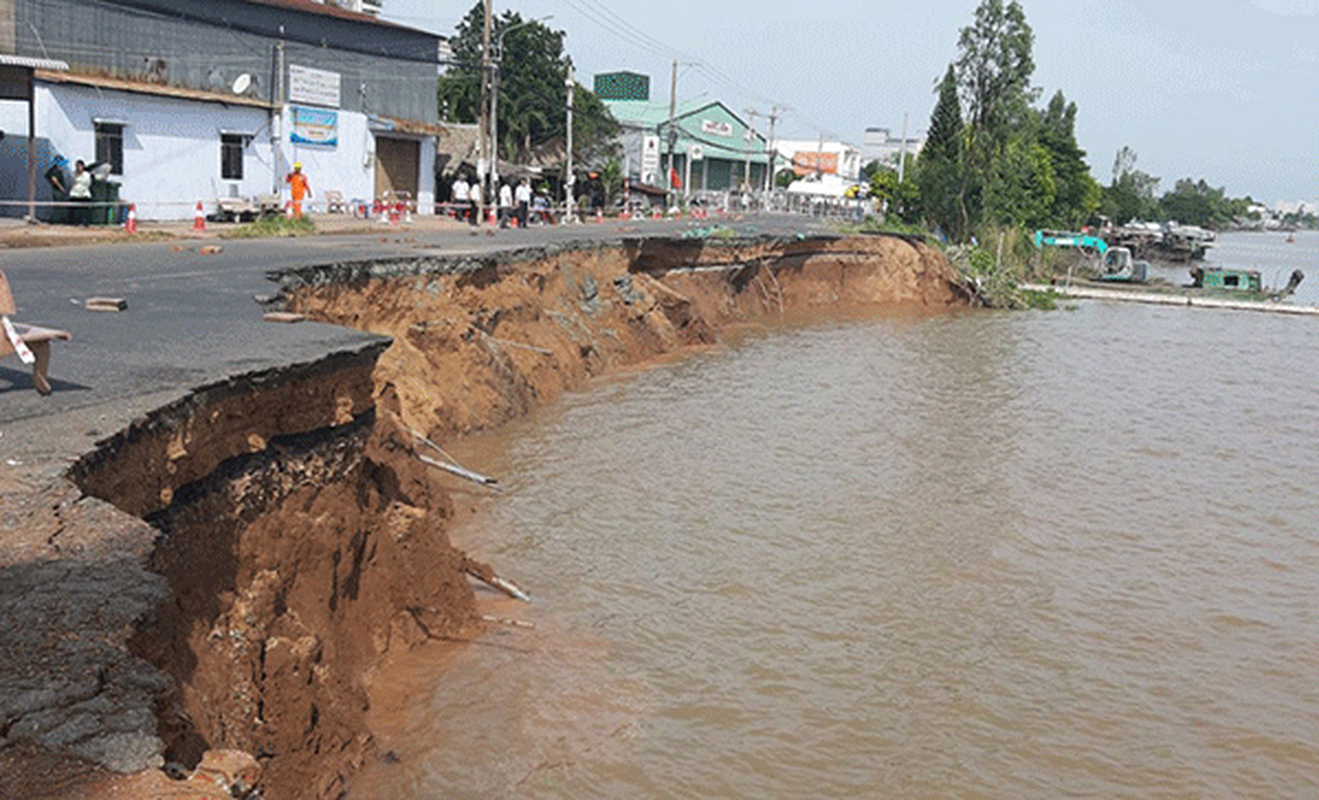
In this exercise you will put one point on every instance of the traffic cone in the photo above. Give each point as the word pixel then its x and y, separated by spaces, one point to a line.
pixel 130 225
pixel 199 220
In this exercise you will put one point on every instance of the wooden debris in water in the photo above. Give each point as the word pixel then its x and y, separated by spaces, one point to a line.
pixel 454 469
pixel 451 465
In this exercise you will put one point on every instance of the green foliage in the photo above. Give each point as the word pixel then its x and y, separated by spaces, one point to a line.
pixel 991 273
pixel 901 199
pixel 594 129
pixel 1040 301
pixel 1196 203
pixel 1022 186
pixel 1190 202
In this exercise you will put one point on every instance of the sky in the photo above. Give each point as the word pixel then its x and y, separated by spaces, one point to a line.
pixel 1220 90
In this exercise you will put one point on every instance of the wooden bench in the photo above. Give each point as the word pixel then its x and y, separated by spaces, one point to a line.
pixel 36 340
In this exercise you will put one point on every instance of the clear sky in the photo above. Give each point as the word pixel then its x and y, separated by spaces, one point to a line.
pixel 1223 90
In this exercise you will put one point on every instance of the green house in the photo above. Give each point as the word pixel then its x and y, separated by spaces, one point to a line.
pixel 707 147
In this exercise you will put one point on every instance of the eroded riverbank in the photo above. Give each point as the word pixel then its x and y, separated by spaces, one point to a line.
pixel 300 541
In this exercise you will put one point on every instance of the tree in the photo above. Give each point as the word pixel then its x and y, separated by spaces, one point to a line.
pixel 939 166
pixel 1077 195
pixel 1022 186
pixel 533 70
pixel 993 73
pixel 1131 196
pixel 1197 203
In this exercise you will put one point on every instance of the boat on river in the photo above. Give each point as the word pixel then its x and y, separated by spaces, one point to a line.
pixel 1228 280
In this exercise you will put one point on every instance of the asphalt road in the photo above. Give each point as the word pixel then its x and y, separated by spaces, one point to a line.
pixel 192 318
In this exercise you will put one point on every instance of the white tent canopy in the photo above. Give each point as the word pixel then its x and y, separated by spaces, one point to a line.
pixel 826 185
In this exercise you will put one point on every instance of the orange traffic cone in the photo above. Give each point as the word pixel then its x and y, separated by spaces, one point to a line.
pixel 199 221
pixel 130 225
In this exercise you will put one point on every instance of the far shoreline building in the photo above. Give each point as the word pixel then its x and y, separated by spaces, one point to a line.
pixel 880 146
pixel 708 148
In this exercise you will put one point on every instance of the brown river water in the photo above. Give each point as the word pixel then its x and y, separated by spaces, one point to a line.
pixel 960 554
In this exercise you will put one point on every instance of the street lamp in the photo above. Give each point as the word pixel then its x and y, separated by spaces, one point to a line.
pixel 494 99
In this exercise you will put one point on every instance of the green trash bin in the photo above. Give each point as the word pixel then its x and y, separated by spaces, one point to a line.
pixel 105 192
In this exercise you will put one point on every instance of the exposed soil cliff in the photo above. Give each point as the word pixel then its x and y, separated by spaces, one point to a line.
pixel 480 341
pixel 296 537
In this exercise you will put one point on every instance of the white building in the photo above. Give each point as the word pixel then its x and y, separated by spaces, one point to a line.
pixel 218 100
pixel 880 145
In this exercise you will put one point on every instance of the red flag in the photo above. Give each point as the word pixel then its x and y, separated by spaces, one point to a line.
pixel 674 180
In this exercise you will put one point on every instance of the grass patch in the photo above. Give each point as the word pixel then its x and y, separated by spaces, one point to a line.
pixel 271 227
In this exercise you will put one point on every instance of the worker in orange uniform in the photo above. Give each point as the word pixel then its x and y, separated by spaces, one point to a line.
pixel 297 181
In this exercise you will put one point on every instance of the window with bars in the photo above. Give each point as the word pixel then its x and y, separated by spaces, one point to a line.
pixel 231 155
pixel 110 146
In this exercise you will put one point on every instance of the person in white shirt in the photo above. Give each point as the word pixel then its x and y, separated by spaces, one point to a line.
pixel 461 201
pixel 523 197
pixel 474 195
pixel 505 204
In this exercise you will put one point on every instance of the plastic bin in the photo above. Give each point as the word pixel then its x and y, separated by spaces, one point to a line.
pixel 105 192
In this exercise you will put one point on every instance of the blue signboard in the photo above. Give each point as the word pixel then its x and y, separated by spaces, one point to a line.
pixel 315 126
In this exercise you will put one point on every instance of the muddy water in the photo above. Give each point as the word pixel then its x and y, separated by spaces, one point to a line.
pixel 960 555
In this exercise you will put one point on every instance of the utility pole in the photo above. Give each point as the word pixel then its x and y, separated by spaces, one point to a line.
pixel 277 109
pixel 750 137
pixel 571 179
pixel 902 151
pixel 483 157
pixel 773 153
pixel 673 132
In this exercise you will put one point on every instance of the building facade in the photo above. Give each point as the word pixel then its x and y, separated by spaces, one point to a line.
pixel 190 102
pixel 708 148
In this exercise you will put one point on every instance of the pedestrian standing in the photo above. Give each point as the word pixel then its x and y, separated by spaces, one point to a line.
pixel 459 198
pixel 80 192
pixel 505 204
pixel 474 197
pixel 523 199
pixel 59 188
pixel 298 184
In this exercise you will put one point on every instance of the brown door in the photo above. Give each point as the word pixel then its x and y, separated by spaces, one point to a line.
pixel 398 166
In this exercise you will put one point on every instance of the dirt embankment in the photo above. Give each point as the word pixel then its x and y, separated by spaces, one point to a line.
pixel 479 342
pixel 299 540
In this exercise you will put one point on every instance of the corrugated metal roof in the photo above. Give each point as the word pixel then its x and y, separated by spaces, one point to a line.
pixel 648 114
pixel 142 87
pixel 690 119
pixel 33 63
pixel 325 9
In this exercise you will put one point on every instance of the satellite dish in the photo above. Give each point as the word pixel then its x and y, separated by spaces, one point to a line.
pixel 242 83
